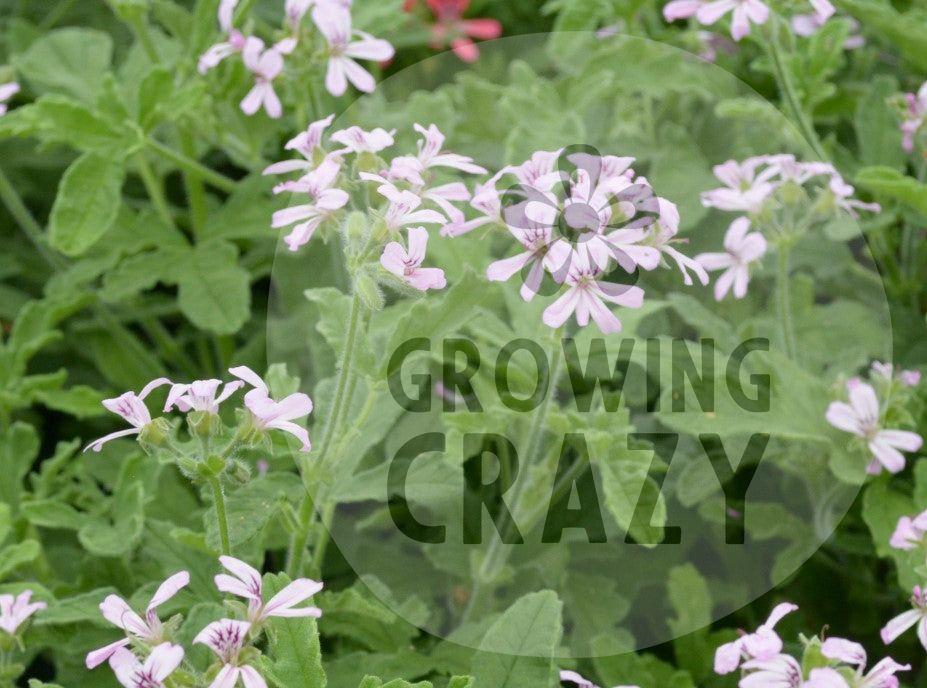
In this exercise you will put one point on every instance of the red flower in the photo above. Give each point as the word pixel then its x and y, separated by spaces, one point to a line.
pixel 450 28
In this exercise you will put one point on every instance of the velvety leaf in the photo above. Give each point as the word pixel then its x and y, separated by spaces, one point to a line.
pixel 294 645
pixel 71 60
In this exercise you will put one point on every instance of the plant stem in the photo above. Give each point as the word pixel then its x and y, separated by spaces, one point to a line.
pixel 22 216
pixel 193 167
pixel 155 191
pixel 340 403
pixel 218 498
pixel 787 90
pixel 196 195
pixel 784 298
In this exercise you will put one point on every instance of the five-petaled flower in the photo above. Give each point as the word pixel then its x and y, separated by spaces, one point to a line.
pixel 267 414
pixel 304 143
pixel 159 664
pixel 148 629
pixel 200 395
pixel 235 43
pixel 742 248
pixel 881 675
pixel 131 407
pixel 762 647
pixel 451 28
pixel 407 264
pixel 334 21
pixel 265 65
pixel 862 417
pixel 745 186
pixel 356 140
pixel 245 581
pixel 225 638
pixel 15 609
pixel 325 201
pixel 909 532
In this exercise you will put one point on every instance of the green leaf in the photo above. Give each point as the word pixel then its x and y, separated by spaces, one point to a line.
pixel 296 658
pixel 53 513
pixel 877 128
pixel 117 536
pixel 71 60
pixel 80 401
pixel 517 650
pixel 885 182
pixel 19 447
pixel 87 203
pixel 906 33
pixel 14 556
pixel 251 506
pixel 215 292
pixel 882 507
pixel 616 665
pixel 76 609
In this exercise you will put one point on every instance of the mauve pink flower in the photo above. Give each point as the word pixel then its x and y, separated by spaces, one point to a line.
pixel 908 378
pixel 235 43
pixel 665 235
pixel 149 629
pixel 779 671
pixel 861 417
pixel 15 610
pixel 131 407
pixel 245 581
pixel 824 677
pixel 744 188
pixel 914 117
pixel 442 196
pixel 842 197
pixel 744 12
pixel 265 65
pixel 403 209
pixel 681 9
pixel 334 21
pixel 7 91
pixel 430 155
pixel 407 263
pixel 356 140
pixel 882 675
pixel 909 532
pixel 159 664
pixel 538 166
pixel 913 617
pixel 275 415
pixel 763 645
pixel 586 296
pixel 487 201
pixel 200 395
pixel 304 143
pixel 573 677
pixel 324 202
pixel 225 638
pixel 741 249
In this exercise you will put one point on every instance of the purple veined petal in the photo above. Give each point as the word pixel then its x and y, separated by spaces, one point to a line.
pixel 741 280
pixel 115 610
pixel 125 665
pixel 764 644
pixel 297 431
pixel 96 657
pixel 560 310
pixel 163 659
pixel 169 588
pixel 285 46
pixel 845 651
pixel 889 457
pixel 740 22
pixel 428 217
pixel 336 82
pixel 246 573
pixel 97 444
pixel 900 624
pixel 501 270
pixel 214 55
pixel 251 678
pixel 291 595
pixel 393 258
pixel 418 244
pixel 229 389
pixel 247 375
pixel 357 75
pixel 843 417
pixel 683 261
pixel 455 191
pixel 880 675
pixel 901 439
pixel 333 20
pixel 251 53
pixel 227 677
pixel 370 49
pixel 232 585
pixel 724 282
pixel 269 65
pixel 456 230
pixel 174 397
pixel 453 213
pixel 302 233
pixel 225 14
pixel 729 172
pixel 582 312
pixel 457 162
pixel 299 612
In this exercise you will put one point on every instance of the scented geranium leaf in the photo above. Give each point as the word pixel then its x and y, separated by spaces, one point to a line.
pixel 119 534
pixel 87 203
pixel 882 507
pixel 19 447
pixel 461 682
pixel 690 599
pixel 351 668
pixel 517 650
pixel 572 16
pixel 214 291
pixel 904 32
pixel 141 272
pixel 246 213
pixel 165 544
pixel 251 506
pixel 877 130
pixel 888 183
pixel 617 665
pixel 14 556
pixel 53 513
pixel 72 60
pixel 80 401
pixel 84 607
pixel 295 657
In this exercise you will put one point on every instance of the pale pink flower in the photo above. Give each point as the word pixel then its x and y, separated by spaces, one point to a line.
pixel 778 671
pixel 334 21
pixel 131 407
pixel 744 188
pixel 882 675
pixel 268 414
pixel 15 610
pixel 403 209
pixel 245 581
pixel 741 249
pixel 442 196
pixel 325 201
pixel 305 144
pixel 539 165
pixel 487 201
pixel 861 417
pixel 159 664
pixel 824 677
pixel 356 140
pixel 842 197
pixel 913 617
pixel 407 263
pixel 430 155
pixel 664 236
pixel 914 117
pixel 265 65
pixel 809 24
pixel 148 629
pixel 681 9
pixel 573 677
pixel 7 91
pixel 200 395
pixel 586 296
pixel 908 378
pixel 763 645
pixel 235 43
pixel 541 251
pixel 909 532
pixel 744 12
pixel 295 10
pixel 225 638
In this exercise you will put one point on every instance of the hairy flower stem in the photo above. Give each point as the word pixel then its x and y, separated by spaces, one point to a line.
pixel 193 167
pixel 496 556
pixel 218 498
pixel 788 92
pixel 784 298
pixel 340 404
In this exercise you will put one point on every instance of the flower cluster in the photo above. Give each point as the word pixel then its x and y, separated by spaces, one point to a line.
pixel 743 13
pixel 758 187
pixel 867 416
pixel 345 46
pixel 233 641
pixel 16 609
pixel 203 397
pixel 826 663
pixel 914 111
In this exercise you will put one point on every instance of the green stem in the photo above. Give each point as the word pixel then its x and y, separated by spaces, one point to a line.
pixel 218 498
pixel 155 191
pixel 784 299
pixel 33 230
pixel 196 194
pixel 340 403
pixel 193 167
pixel 788 92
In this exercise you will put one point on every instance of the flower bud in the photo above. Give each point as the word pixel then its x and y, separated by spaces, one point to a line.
pixel 203 424
pixel 369 162
pixel 155 433
pixel 368 291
